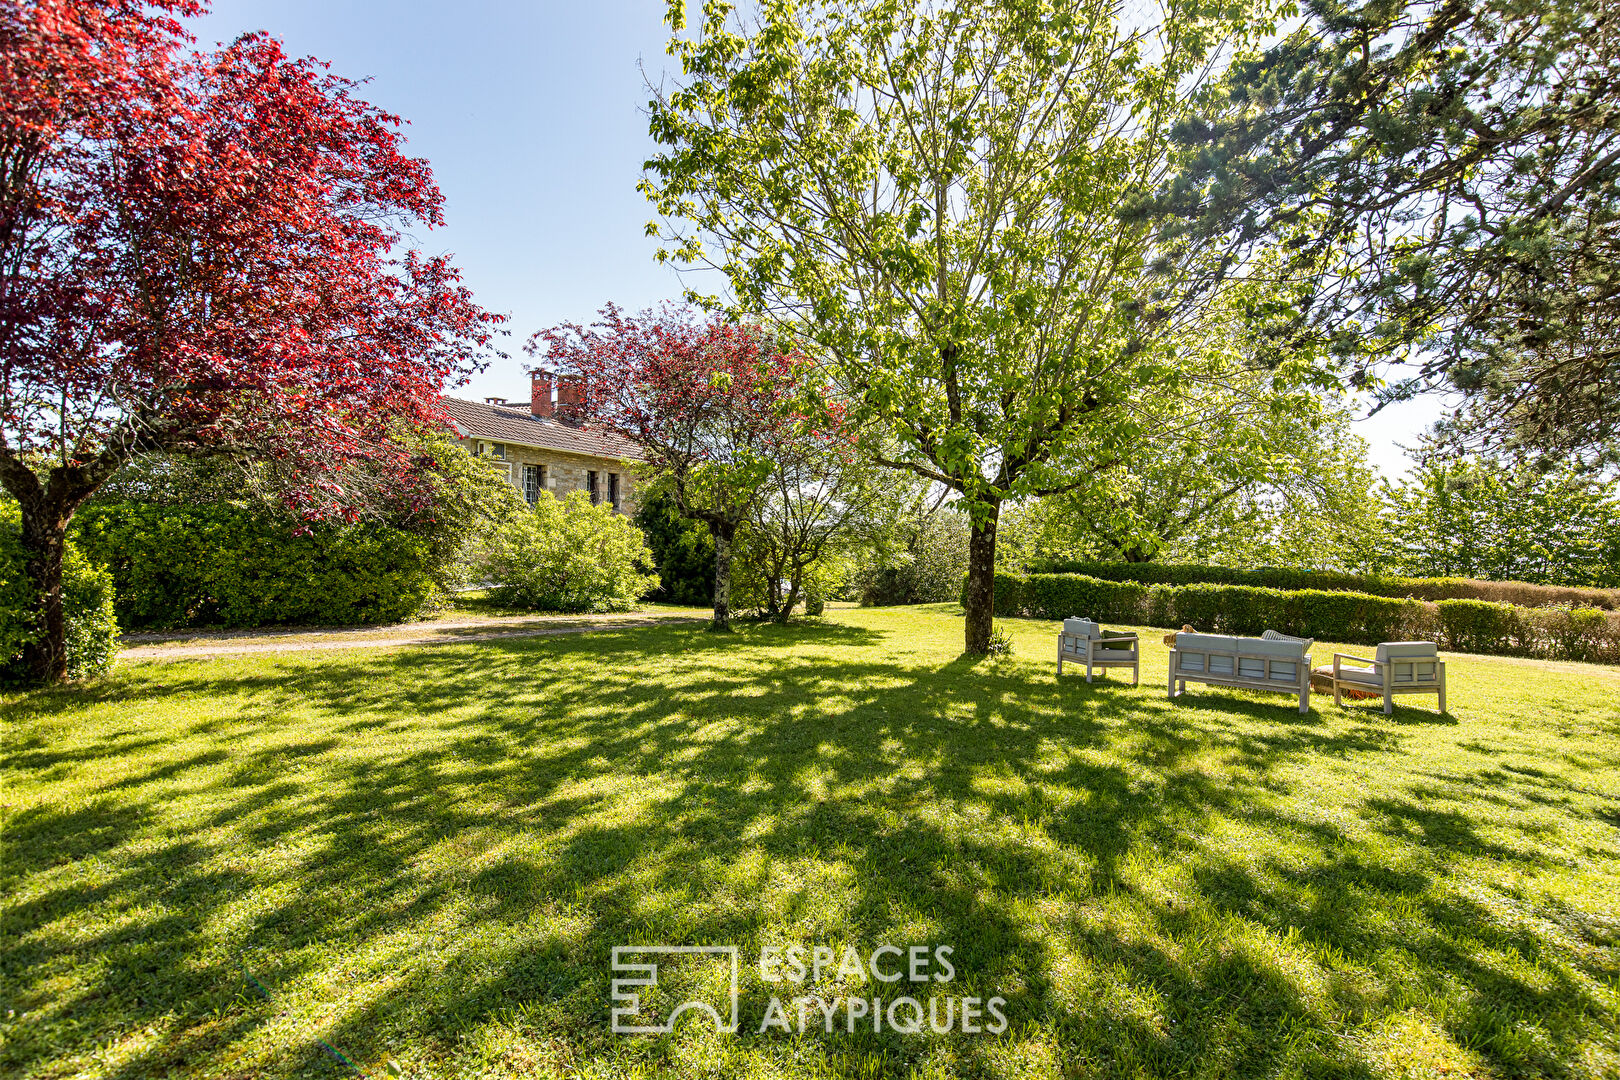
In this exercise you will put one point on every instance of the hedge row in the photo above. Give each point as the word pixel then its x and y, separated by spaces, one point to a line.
pixel 1506 592
pixel 223 565
pixel 1351 618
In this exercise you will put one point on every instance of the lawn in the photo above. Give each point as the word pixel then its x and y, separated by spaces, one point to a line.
pixel 425 857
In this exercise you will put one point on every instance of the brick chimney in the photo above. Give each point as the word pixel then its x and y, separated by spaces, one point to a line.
pixel 569 395
pixel 540 393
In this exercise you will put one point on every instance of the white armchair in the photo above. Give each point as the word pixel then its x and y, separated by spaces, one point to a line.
pixel 1397 667
pixel 1081 641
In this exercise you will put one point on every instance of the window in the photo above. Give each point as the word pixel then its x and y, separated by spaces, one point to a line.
pixel 613 489
pixel 531 483
pixel 590 485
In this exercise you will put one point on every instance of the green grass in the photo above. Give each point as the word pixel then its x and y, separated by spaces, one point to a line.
pixel 426 855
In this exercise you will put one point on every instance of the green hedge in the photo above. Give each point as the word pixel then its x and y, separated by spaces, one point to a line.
pixel 87 597
pixel 1434 589
pixel 1341 617
pixel 223 565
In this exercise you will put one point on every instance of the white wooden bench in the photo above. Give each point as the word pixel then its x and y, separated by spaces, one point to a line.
pixel 1282 665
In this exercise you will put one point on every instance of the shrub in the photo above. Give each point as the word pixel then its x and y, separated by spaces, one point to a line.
pixel 1345 617
pixel 1001 643
pixel 1480 626
pixel 568 555
pixel 223 565
pixel 681 548
pixel 1057 596
pixel 928 571
pixel 87 596
pixel 1433 589
pixel 1580 633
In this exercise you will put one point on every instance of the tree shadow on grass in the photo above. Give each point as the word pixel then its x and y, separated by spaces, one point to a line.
pixel 430 848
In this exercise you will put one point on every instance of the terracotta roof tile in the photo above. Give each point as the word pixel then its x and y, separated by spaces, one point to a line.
pixel 514 424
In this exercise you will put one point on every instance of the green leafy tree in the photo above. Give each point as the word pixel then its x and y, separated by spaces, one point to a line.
pixel 824 498
pixel 569 555
pixel 681 547
pixel 1253 478
pixel 928 194
pixel 1445 177
pixel 1501 521
pixel 921 557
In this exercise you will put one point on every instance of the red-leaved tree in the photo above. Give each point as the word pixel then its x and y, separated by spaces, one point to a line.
pixel 203 253
pixel 713 405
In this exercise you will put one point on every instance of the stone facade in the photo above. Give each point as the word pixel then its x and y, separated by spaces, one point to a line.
pixel 533 433
pixel 561 472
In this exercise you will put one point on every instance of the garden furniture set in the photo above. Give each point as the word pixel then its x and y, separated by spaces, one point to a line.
pixel 1273 661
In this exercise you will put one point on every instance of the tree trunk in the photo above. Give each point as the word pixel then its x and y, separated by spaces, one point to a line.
pixel 44 539
pixel 980 600
pixel 791 598
pixel 46 510
pixel 722 578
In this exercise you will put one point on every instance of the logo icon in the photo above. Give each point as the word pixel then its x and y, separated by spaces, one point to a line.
pixel 628 1001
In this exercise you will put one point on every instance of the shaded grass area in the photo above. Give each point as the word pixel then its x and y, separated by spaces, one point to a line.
pixel 428 855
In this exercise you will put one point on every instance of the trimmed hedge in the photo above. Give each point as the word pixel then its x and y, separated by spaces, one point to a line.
pixel 1343 617
pixel 1433 589
pixel 223 565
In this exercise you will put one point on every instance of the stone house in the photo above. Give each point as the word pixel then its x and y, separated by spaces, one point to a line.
pixel 544 453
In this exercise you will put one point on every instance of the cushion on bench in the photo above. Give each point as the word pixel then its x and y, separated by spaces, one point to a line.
pixel 1200 653
pixel 1290 648
pixel 1356 673
pixel 1412 661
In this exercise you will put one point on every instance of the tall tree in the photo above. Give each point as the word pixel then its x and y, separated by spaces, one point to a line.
pixel 712 404
pixel 929 194
pixel 1446 178
pixel 823 497
pixel 1488 518
pixel 198 254
pixel 1253 478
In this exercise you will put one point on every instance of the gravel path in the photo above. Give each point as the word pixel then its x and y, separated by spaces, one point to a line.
pixel 371 638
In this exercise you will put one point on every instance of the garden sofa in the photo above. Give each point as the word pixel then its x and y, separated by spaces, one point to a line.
pixel 1082 641
pixel 1276 663
pixel 1398 667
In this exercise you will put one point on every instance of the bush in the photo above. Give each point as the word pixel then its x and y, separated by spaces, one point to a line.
pixel 1579 633
pixel 1345 617
pixel 682 549
pixel 929 571
pixel 1480 626
pixel 87 596
pixel 1433 589
pixel 570 556
pixel 236 566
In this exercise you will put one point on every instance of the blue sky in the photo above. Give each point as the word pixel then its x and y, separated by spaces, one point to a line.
pixel 530 113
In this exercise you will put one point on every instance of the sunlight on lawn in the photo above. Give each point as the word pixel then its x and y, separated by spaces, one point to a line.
pixel 427 855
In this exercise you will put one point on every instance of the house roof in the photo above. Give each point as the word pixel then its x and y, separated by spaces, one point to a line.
pixel 514 424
